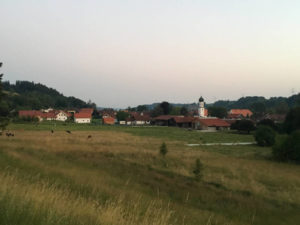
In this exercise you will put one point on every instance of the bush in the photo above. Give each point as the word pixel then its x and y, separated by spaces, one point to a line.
pixel 243 125
pixel 265 136
pixel 163 149
pixel 287 148
pixel 198 170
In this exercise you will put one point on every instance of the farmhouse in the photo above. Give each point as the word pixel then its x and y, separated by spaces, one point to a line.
pixel 31 114
pixel 139 119
pixel 240 112
pixel 49 115
pixel 108 120
pixel 163 120
pixel 210 124
pixel 82 117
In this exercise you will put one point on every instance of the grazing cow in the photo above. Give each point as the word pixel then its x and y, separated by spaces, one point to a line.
pixel 90 136
pixel 68 131
pixel 9 134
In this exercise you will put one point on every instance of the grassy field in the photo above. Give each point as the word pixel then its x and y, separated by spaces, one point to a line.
pixel 117 177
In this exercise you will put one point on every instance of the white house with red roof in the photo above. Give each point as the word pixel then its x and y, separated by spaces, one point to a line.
pixel 50 115
pixel 83 117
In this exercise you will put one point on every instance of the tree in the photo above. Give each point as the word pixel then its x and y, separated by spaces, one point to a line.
pixel 157 111
pixel 175 110
pixel 243 126
pixel 258 107
pixel 292 120
pixel 282 108
pixel 163 149
pixel 220 112
pixel 184 111
pixel 166 107
pixel 287 148
pixel 141 108
pixel 121 115
pixel 265 136
pixel 198 170
pixel 4 110
pixel 267 122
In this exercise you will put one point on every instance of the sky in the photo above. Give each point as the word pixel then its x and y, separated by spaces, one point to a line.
pixel 121 53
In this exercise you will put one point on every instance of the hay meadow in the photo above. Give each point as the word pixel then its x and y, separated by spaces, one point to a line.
pixel 118 177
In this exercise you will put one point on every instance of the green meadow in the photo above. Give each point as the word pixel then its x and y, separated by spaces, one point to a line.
pixel 118 177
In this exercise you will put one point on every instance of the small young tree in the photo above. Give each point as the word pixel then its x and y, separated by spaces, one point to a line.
pixel 265 136
pixel 198 170
pixel 163 149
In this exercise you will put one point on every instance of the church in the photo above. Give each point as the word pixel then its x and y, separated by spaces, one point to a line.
pixel 203 122
pixel 202 111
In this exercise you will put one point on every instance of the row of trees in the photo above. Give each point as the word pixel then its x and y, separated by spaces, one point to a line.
pixel 165 108
pixel 261 105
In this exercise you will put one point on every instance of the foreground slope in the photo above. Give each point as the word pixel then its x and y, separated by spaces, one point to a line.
pixel 118 177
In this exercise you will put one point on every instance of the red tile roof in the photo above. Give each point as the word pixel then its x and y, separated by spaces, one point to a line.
pixel 82 115
pixel 180 119
pixel 243 112
pixel 214 122
pixel 138 117
pixel 30 113
pixel 108 120
pixel 50 115
pixel 87 110
pixel 163 117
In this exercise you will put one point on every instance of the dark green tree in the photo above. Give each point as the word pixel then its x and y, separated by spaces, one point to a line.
pixel 121 115
pixel 141 108
pixel 166 107
pixel 4 110
pixel 157 111
pixel 198 170
pixel 287 148
pixel 163 149
pixel 267 122
pixel 216 111
pixel 243 126
pixel 258 107
pixel 292 120
pixel 265 136
pixel 184 111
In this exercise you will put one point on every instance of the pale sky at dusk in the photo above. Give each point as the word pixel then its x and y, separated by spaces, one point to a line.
pixel 124 53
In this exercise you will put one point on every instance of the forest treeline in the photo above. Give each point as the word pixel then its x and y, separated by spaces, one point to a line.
pixel 30 95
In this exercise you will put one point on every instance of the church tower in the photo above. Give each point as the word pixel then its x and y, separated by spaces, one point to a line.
pixel 201 109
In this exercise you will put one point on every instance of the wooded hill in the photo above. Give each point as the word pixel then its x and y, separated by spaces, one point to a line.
pixel 278 105
pixel 30 95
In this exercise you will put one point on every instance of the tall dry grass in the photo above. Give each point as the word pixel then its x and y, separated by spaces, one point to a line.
pixel 96 166
pixel 63 204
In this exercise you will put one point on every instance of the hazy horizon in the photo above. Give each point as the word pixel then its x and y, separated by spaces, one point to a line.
pixel 127 53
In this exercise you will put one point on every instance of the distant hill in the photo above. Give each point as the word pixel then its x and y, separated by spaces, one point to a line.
pixel 30 95
pixel 255 103
pixel 278 105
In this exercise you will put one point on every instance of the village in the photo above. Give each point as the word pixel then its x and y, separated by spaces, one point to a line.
pixel 199 119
